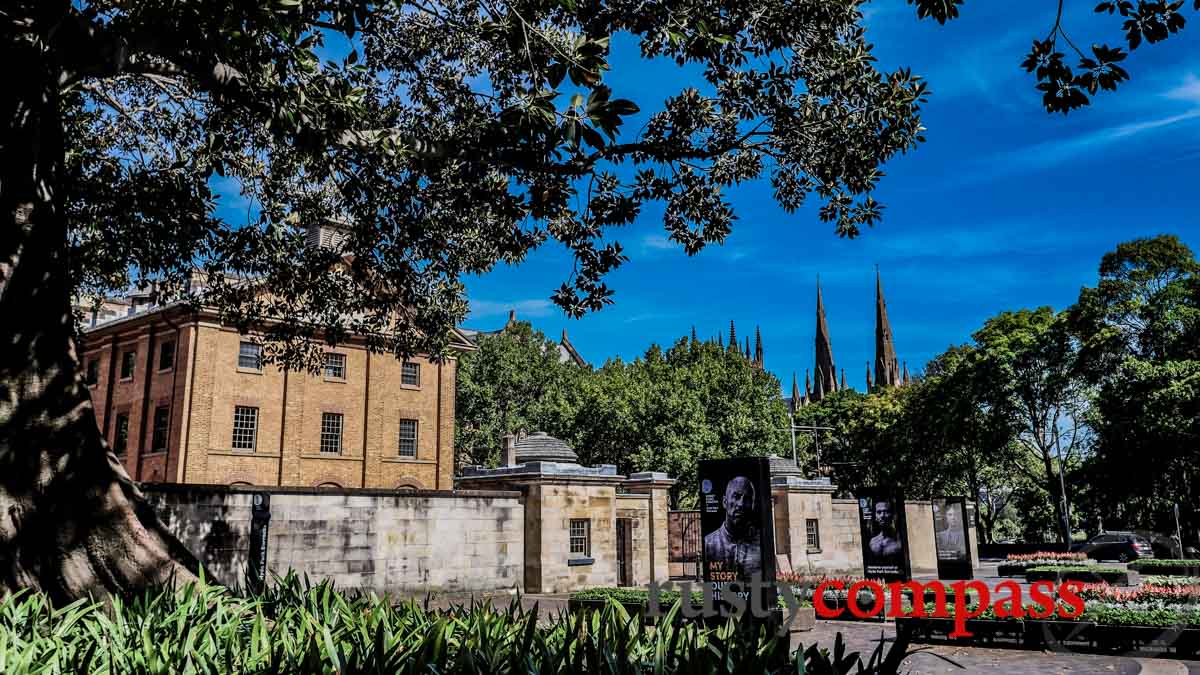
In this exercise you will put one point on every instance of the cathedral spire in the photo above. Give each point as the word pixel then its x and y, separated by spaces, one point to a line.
pixel 886 374
pixel 758 350
pixel 842 386
pixel 905 380
pixel 868 377
pixel 719 340
pixel 796 400
pixel 826 381
pixel 693 335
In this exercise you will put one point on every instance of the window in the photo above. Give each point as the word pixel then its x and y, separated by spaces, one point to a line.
pixel 813 530
pixel 121 437
pixel 331 432
pixel 408 438
pixel 250 356
pixel 166 355
pixel 335 366
pixel 410 374
pixel 162 421
pixel 581 537
pixel 245 427
pixel 93 371
pixel 127 359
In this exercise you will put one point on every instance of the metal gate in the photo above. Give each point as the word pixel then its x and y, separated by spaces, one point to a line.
pixel 683 534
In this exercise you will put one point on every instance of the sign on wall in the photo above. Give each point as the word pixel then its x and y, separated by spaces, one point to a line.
pixel 952 538
pixel 884 535
pixel 260 520
pixel 736 524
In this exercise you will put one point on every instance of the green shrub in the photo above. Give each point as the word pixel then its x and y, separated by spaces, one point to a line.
pixel 1167 567
pixel 294 627
pixel 1085 573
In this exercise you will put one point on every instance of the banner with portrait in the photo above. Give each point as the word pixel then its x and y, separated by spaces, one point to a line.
pixel 952 538
pixel 884 535
pixel 737 527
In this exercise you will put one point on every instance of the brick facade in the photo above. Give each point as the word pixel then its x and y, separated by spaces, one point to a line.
pixel 199 388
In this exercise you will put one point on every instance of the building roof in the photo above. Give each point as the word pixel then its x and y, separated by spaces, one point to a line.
pixel 566 351
pixel 542 447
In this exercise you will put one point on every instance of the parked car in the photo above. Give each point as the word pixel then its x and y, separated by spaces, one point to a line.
pixel 1123 546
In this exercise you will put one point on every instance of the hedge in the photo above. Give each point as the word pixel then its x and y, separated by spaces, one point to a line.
pixel 1083 573
pixel 1167 567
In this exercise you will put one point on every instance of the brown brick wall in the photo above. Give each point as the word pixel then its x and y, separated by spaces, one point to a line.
pixel 204 385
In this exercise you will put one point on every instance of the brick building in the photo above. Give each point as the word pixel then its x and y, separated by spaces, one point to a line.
pixel 183 399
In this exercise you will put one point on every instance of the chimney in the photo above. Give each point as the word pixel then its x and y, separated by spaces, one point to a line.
pixel 510 450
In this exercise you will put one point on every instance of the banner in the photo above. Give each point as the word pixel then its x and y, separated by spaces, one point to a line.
pixel 884 536
pixel 951 538
pixel 737 528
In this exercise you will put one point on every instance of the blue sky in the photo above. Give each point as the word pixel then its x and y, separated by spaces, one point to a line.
pixel 1003 207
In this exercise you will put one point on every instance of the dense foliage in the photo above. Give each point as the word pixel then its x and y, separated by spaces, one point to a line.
pixel 663 412
pixel 1102 398
pixel 295 628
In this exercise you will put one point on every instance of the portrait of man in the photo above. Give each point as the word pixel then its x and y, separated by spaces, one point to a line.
pixel 736 545
pixel 885 545
pixel 951 543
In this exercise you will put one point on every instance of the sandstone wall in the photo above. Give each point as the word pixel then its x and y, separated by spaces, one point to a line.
pixel 385 541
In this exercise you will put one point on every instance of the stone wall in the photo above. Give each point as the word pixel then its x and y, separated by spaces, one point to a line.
pixel 636 509
pixel 551 566
pixel 384 541
pixel 847 535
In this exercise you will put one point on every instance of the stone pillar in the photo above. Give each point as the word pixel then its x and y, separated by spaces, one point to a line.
pixel 510 450
pixel 657 485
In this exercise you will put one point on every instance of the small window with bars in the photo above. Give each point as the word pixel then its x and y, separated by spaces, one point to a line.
pixel 162 423
pixel 166 355
pixel 245 427
pixel 127 361
pixel 331 433
pixel 121 434
pixel 250 356
pixel 335 366
pixel 581 537
pixel 93 372
pixel 408 438
pixel 812 531
pixel 410 374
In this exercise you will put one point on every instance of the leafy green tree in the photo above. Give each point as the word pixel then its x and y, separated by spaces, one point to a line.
pixel 1028 364
pixel 451 137
pixel 515 381
pixel 1140 331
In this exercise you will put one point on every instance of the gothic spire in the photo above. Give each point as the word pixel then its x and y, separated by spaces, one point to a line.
pixel 869 377
pixel 886 374
pixel 807 382
pixel 732 336
pixel 693 335
pixel 748 348
pixel 758 349
pixel 843 384
pixel 796 400
pixel 826 375
pixel 719 340
pixel 905 380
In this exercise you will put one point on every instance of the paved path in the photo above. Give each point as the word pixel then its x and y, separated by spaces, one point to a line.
pixel 863 638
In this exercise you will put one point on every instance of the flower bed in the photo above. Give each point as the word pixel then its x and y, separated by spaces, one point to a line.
pixel 1015 565
pixel 1167 567
pixel 1149 627
pixel 1083 573
pixel 1171 594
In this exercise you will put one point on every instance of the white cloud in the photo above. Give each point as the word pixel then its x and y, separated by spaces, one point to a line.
pixel 536 308
pixel 1188 90
pixel 657 242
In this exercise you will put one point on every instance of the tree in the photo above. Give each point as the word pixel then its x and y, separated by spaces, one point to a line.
pixel 515 381
pixel 451 137
pixel 1028 360
pixel 1140 331
pixel 1064 90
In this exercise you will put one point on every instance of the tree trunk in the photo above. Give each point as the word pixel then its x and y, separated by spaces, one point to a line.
pixel 72 523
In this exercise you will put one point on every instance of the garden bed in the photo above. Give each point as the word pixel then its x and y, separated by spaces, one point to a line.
pixel 1170 568
pixel 1102 629
pixel 1088 574
pixel 636 603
